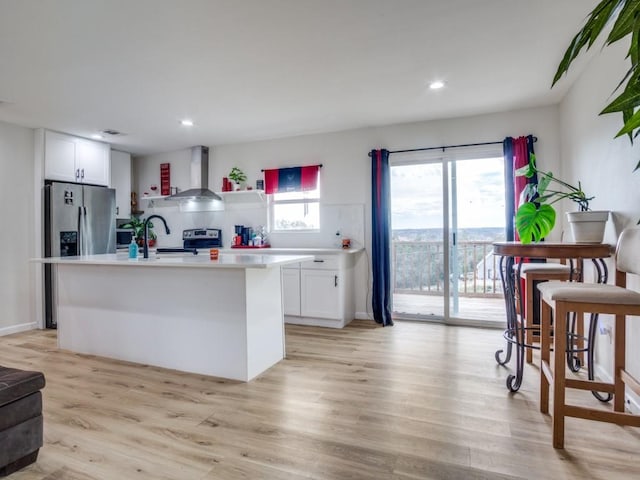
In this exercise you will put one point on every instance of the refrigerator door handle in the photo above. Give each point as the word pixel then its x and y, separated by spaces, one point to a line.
pixel 80 232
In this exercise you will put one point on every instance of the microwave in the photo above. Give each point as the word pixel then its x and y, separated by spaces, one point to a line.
pixel 123 237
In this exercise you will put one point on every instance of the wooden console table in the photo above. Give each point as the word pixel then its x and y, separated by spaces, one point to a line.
pixel 515 333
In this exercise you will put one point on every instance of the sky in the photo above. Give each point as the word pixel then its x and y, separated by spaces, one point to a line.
pixel 416 194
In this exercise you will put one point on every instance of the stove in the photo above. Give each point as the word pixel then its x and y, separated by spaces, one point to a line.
pixel 202 238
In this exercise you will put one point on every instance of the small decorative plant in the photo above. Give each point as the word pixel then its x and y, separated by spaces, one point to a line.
pixel 238 176
pixel 137 225
pixel 536 217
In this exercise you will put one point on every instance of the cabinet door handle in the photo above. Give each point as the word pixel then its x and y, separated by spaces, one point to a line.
pixel 117 210
pixel 335 280
pixel 318 261
pixel 77 173
pixel 82 173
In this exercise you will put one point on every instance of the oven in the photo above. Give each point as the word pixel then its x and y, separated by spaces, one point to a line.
pixel 202 238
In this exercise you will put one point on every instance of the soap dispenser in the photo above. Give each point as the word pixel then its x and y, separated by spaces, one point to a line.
pixel 133 249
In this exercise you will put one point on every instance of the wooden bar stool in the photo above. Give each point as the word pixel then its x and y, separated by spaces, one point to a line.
pixel 533 274
pixel 558 299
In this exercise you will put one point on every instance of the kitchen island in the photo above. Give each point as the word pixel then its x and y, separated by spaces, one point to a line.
pixel 215 317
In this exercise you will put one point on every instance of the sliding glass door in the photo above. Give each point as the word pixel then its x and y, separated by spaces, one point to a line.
pixel 447 209
pixel 418 250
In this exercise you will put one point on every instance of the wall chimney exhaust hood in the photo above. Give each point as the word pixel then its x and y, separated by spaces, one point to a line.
pixel 199 190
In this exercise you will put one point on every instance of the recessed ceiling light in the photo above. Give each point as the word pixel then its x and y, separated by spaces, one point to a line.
pixel 436 85
pixel 186 122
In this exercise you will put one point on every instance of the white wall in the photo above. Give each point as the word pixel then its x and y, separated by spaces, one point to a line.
pixel 346 171
pixel 604 165
pixel 346 168
pixel 17 232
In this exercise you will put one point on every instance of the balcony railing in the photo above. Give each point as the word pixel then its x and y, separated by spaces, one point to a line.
pixel 418 268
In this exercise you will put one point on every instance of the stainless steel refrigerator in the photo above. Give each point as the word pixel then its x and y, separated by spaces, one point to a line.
pixel 78 220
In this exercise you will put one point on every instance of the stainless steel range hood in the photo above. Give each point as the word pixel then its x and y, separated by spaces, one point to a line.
pixel 199 190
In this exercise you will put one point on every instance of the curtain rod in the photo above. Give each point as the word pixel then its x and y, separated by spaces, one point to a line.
pixel 319 165
pixel 444 147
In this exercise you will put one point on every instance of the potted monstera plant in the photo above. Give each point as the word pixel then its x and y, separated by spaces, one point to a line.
pixel 624 15
pixel 536 216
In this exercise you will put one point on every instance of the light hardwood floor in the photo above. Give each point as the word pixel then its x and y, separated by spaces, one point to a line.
pixel 414 401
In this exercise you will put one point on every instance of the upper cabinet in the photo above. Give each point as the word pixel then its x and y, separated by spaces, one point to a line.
pixel 121 181
pixel 73 159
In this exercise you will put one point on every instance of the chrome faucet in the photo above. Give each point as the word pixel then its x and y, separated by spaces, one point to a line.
pixel 145 246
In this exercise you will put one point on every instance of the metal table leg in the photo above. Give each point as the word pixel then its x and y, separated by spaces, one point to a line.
pixel 515 333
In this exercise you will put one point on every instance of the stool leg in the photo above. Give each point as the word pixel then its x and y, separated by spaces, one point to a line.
pixel 619 363
pixel 527 318
pixel 580 337
pixel 545 354
pixel 559 373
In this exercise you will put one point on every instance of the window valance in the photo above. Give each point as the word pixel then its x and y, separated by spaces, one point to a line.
pixel 292 179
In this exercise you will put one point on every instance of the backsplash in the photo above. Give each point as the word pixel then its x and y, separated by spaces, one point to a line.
pixel 346 220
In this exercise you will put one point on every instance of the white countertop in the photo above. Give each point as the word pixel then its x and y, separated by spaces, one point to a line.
pixel 298 251
pixel 225 260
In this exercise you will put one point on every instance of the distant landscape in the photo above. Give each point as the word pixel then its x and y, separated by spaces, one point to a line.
pixel 418 264
pixel 435 234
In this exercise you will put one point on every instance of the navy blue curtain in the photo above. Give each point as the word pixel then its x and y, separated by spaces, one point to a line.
pixel 381 237
pixel 516 154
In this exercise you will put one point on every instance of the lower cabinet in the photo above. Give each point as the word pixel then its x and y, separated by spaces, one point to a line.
pixel 320 292
pixel 320 295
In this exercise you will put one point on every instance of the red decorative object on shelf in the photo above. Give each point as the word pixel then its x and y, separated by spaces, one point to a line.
pixel 165 179
pixel 250 246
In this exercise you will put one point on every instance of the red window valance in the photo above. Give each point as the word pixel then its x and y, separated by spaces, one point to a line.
pixel 293 179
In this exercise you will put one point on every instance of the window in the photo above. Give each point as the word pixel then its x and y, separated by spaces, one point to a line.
pixel 296 211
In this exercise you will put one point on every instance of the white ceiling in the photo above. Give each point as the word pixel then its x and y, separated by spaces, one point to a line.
pixel 247 70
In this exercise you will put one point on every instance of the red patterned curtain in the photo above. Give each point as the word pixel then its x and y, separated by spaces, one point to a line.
pixel 293 179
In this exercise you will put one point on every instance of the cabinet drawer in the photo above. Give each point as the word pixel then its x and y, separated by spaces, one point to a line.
pixel 322 262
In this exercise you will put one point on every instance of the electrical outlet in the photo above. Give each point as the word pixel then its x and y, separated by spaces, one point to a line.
pixel 607 331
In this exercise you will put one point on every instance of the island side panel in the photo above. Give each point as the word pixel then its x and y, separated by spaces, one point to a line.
pixel 265 319
pixel 189 319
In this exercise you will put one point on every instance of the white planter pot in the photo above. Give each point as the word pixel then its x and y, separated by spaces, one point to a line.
pixel 588 227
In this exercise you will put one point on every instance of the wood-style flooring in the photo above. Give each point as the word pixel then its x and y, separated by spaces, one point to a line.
pixel 414 401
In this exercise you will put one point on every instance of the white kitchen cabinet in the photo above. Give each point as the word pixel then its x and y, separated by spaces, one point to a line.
pixel 73 159
pixel 121 181
pixel 291 290
pixel 320 293
pixel 93 159
pixel 323 288
pixel 60 157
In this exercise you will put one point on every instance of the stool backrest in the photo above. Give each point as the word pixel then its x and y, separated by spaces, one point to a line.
pixel 628 251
